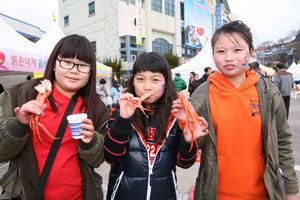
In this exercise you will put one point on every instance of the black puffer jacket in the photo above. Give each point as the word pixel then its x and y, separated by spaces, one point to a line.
pixel 134 177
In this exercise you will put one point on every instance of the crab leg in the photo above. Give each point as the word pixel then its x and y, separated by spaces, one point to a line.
pixel 191 118
pixel 44 90
pixel 46 131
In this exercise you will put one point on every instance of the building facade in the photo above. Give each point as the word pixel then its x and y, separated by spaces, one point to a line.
pixel 125 28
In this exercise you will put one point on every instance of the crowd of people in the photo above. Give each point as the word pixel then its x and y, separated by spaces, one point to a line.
pixel 242 129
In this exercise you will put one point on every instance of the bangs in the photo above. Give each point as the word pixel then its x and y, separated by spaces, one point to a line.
pixel 150 67
pixel 153 62
pixel 77 48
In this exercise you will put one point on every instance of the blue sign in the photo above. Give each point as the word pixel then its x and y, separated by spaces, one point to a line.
pixel 218 16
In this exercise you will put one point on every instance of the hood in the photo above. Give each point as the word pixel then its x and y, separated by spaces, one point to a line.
pixel 224 85
pixel 177 78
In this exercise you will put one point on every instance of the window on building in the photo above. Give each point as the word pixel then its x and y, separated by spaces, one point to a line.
pixel 66 20
pixel 169 7
pixel 188 52
pixel 182 11
pixel 94 46
pixel 156 5
pixel 91 8
pixel 182 36
pixel 161 46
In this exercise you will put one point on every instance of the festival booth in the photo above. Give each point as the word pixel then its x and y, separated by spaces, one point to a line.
pixel 197 64
pixel 49 39
pixel 52 36
pixel 266 70
pixel 295 70
pixel 20 57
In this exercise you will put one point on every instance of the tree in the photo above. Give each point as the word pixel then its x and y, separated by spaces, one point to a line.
pixel 173 60
pixel 115 64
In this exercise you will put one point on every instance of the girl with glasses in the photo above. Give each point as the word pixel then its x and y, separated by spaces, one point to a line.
pixel 71 69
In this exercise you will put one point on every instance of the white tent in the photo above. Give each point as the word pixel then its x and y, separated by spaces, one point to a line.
pixel 18 56
pixel 197 64
pixel 10 39
pixel 50 38
pixel 295 70
pixel 266 70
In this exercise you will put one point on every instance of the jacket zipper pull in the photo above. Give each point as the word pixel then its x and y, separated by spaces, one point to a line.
pixel 281 186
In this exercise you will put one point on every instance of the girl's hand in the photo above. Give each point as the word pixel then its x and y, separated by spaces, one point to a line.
pixel 127 110
pixel 177 110
pixel 199 130
pixel 24 112
pixel 88 132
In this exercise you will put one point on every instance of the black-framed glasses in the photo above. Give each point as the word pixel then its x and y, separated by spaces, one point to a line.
pixel 67 64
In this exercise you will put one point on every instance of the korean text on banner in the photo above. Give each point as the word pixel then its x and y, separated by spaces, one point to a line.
pixel 138 5
pixel 14 60
pixel 218 16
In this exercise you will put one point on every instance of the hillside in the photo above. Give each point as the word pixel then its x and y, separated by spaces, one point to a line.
pixel 286 52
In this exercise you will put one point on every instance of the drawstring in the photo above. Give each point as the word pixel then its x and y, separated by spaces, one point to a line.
pixel 281 186
pixel 115 188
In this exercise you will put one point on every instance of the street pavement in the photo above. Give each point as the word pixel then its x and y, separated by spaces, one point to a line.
pixel 186 177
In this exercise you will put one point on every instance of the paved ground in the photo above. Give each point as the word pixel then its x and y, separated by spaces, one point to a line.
pixel 186 177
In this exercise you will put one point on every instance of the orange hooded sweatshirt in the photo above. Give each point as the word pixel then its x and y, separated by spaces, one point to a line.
pixel 236 117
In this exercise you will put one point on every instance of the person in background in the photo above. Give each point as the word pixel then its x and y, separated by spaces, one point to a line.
pixel 248 153
pixel 144 150
pixel 284 80
pixel 71 68
pixel 191 79
pixel 115 91
pixel 255 67
pixel 29 77
pixel 102 91
pixel 179 83
pixel 207 73
pixel 115 77
pixel 125 81
pixel 195 84
pixel 1 88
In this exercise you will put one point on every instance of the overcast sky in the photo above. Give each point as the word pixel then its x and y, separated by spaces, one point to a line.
pixel 268 19
pixel 35 12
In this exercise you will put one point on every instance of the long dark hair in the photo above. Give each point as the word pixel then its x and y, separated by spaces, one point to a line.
pixel 154 62
pixel 75 46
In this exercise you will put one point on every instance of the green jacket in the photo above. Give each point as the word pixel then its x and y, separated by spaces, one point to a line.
pixel 179 83
pixel 16 147
pixel 276 140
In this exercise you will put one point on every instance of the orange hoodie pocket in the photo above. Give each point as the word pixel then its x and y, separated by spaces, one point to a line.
pixel 241 178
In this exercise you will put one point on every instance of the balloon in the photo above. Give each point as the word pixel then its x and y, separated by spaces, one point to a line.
pixel 200 31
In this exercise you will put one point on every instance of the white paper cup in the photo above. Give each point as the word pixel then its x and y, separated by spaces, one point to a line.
pixel 74 123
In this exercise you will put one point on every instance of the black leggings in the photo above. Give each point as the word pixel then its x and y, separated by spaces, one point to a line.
pixel 286 100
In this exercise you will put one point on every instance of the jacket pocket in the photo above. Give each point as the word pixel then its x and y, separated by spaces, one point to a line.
pixel 116 186
pixel 276 181
pixel 11 183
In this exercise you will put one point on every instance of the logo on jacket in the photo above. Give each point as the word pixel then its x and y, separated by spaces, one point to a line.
pixel 254 107
pixel 150 144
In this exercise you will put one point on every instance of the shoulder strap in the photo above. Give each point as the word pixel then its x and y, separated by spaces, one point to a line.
pixel 39 192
